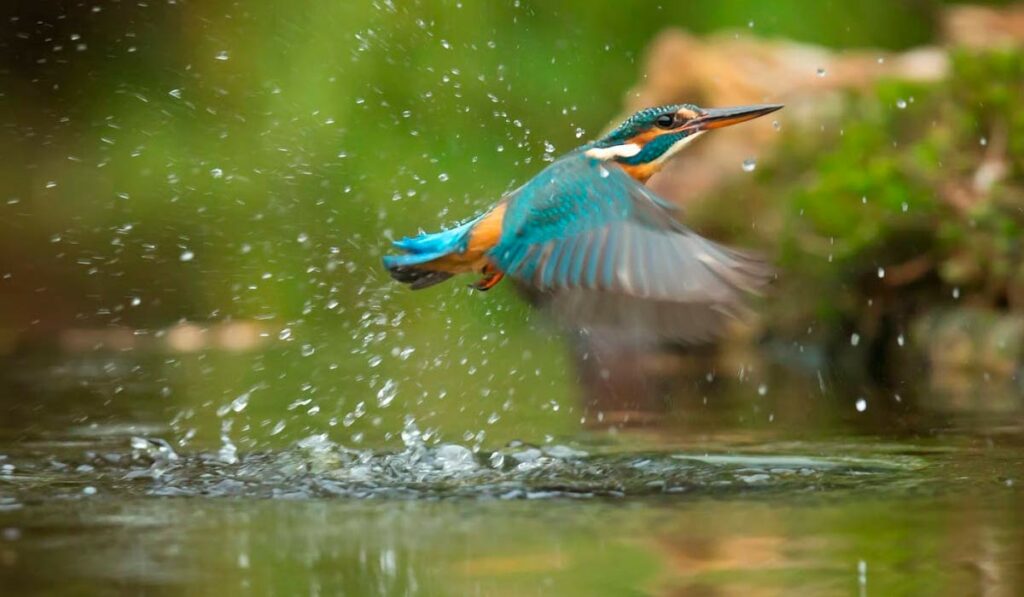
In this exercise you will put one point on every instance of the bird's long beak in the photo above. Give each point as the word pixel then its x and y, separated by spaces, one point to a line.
pixel 716 118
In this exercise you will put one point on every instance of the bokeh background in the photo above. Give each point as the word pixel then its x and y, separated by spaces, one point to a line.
pixel 196 195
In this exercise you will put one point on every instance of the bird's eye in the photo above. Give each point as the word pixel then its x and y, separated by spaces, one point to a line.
pixel 665 121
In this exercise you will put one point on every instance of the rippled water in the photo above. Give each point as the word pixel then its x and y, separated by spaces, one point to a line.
pixel 107 497
pixel 317 467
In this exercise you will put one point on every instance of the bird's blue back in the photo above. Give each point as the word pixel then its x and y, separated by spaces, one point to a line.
pixel 570 200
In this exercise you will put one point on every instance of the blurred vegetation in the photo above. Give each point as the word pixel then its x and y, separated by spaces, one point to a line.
pixel 142 132
pixel 912 201
pixel 210 161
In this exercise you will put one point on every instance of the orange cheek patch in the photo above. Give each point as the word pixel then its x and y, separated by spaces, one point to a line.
pixel 642 138
pixel 687 114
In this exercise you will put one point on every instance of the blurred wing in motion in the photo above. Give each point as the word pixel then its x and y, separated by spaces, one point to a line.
pixel 605 253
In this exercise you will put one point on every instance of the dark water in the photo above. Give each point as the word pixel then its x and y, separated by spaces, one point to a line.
pixel 101 493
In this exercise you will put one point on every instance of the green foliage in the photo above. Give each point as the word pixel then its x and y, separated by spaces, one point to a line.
pixel 916 199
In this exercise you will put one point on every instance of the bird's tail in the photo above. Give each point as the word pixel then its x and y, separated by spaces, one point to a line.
pixel 417 264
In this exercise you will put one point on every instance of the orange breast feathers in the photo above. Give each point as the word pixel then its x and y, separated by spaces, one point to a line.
pixel 641 172
pixel 482 238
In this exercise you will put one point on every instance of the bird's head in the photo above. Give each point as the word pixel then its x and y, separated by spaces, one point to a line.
pixel 643 143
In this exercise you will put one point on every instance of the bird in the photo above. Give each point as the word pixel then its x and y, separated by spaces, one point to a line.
pixel 599 248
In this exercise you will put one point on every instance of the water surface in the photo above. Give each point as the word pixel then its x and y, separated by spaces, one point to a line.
pixel 109 496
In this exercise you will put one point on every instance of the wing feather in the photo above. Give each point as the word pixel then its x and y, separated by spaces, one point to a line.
pixel 606 252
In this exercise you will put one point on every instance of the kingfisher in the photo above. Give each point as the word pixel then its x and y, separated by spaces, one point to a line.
pixel 589 236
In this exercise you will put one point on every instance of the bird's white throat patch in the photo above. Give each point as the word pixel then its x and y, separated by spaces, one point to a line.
pixel 626 150
pixel 677 146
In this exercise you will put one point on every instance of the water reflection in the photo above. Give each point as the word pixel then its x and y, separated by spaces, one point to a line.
pixel 755 479
pixel 944 545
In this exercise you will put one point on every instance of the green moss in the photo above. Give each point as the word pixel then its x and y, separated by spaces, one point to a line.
pixel 915 197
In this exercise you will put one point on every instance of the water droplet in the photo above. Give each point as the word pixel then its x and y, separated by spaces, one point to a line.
pixel 901 103
pixel 862 405
pixel 603 171
pixel 454 458
pixel 900 340
pixel 175 93
pixel 956 292
pixel 983 141
pixel 285 334
pixel 762 390
pixel 89 490
pixel 239 404
pixel 750 24
pixel 749 164
pixel 387 393
pixel 222 55
pixel 881 60
pixel 776 125
pixel 443 177
pixel 136 301
pixel 821 72
pixel 445 44
pixel 216 173
pixel 187 255
pixel 881 272
pixel 905 207
pixel 854 339
pixel 307 350
pixel 411 434
pixel 278 428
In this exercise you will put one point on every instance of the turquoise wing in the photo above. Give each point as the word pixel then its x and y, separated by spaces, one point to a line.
pixel 606 252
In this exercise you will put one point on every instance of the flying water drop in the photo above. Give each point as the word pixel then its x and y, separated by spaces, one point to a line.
pixel 239 404
pixel 387 394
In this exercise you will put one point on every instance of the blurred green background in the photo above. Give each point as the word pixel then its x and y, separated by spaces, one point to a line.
pixel 217 161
